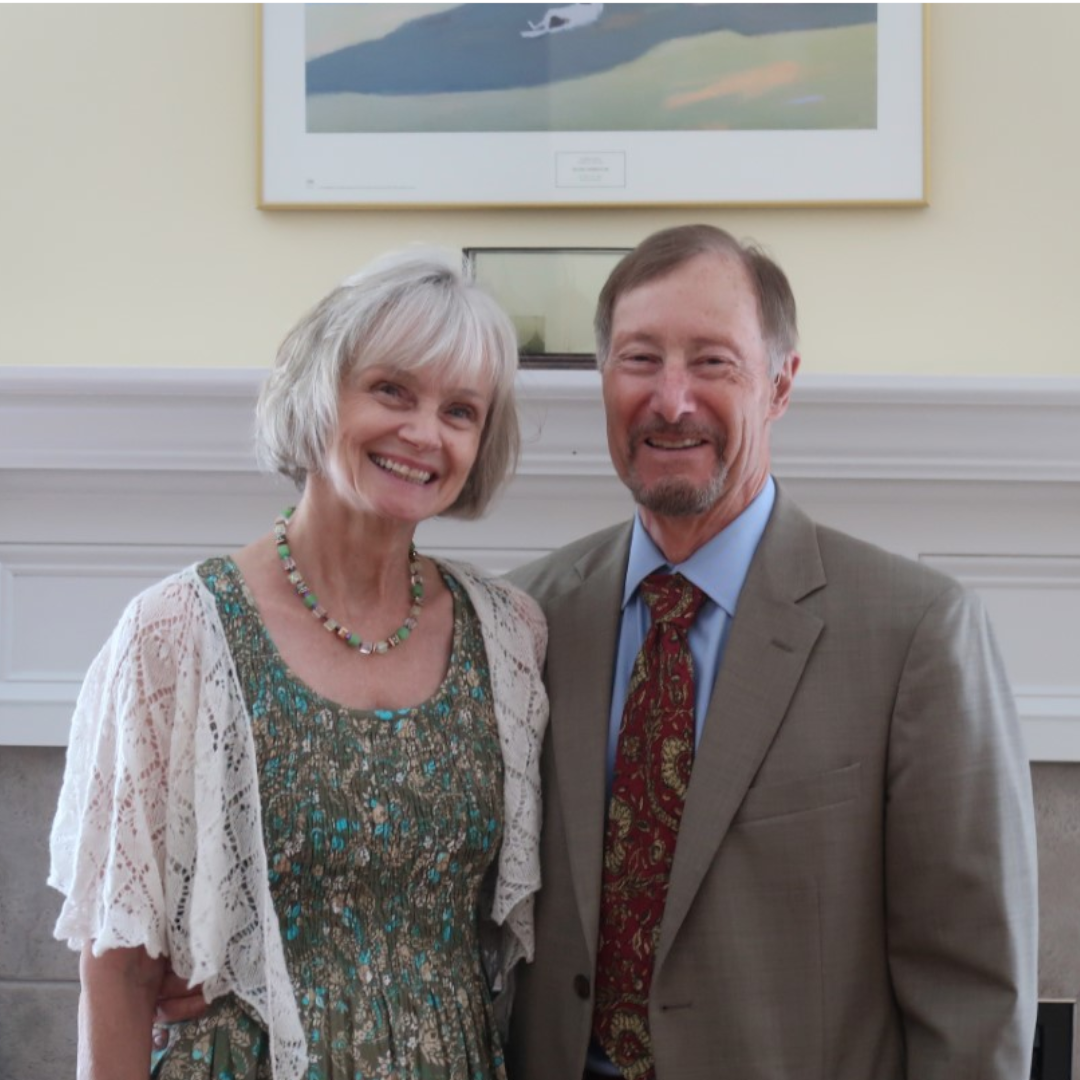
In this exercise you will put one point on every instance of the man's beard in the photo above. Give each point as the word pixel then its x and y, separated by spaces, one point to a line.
pixel 675 496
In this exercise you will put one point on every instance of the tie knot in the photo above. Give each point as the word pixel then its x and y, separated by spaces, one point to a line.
pixel 672 599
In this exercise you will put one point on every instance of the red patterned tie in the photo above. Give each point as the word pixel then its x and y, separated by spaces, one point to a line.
pixel 652 770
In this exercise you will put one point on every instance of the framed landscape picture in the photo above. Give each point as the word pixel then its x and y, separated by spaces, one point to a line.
pixel 503 105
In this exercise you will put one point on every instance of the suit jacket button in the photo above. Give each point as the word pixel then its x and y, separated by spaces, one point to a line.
pixel 581 987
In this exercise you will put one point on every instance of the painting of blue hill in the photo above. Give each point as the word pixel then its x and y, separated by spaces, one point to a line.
pixel 598 67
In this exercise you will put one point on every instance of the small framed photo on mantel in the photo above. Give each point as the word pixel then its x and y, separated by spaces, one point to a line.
pixel 550 295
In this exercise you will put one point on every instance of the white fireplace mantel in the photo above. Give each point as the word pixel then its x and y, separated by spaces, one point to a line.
pixel 110 478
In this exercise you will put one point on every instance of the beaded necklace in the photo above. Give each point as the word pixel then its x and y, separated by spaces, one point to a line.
pixel 311 601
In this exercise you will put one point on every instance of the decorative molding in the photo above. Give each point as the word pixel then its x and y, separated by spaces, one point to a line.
pixel 1051 723
pixel 113 477
pixel 60 629
pixel 64 599
pixel 1014 587
pixel 116 418
pixel 36 714
pixel 1013 572
pixel 842 427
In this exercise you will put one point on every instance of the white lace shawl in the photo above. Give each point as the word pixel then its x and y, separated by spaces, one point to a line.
pixel 158 836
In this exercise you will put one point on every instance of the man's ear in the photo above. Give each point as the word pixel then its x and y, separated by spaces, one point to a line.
pixel 781 387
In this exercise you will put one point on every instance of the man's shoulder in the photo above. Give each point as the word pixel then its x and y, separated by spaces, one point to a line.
pixel 848 556
pixel 849 563
pixel 561 569
pixel 883 585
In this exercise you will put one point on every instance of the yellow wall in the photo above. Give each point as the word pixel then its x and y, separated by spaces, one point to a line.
pixel 129 234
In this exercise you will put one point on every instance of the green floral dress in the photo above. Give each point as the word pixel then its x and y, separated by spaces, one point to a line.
pixel 379 829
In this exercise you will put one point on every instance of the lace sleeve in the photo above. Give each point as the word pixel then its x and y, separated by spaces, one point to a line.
pixel 107 843
pixel 157 840
pixel 515 639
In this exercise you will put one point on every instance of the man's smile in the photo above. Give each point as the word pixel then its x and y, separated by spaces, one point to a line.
pixel 659 442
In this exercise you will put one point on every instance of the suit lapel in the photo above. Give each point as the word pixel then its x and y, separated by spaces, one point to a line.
pixel 580 666
pixel 770 642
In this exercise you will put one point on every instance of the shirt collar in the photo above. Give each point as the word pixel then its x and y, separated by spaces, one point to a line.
pixel 719 567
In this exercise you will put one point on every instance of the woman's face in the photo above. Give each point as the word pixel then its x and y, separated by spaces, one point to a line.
pixel 406 441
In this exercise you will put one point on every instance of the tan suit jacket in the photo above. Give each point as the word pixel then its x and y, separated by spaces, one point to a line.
pixel 853 895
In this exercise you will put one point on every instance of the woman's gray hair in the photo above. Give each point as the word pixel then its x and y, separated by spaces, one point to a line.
pixel 408 311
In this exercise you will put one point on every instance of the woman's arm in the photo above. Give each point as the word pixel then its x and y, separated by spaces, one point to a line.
pixel 116 1009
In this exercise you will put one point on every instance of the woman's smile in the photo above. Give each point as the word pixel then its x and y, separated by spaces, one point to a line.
pixel 400 469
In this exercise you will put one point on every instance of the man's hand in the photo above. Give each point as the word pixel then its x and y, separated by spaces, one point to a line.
pixel 175 1003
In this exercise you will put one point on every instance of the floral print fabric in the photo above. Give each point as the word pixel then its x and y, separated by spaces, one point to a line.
pixel 379 828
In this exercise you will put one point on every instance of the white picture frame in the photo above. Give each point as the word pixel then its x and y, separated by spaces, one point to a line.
pixel 399 169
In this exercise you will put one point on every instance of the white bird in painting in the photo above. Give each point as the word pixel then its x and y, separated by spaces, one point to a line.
pixel 570 17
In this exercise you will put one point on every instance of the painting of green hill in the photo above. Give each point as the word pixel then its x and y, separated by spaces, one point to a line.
pixel 803 80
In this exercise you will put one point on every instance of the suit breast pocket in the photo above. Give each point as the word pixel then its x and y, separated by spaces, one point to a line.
pixel 764 802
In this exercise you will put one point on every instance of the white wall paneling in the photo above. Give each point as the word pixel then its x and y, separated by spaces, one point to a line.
pixel 110 478
pixel 60 602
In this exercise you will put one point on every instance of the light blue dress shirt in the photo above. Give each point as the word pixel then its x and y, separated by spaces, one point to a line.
pixel 718 569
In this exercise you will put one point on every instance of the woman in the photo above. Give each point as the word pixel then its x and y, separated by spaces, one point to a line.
pixel 303 820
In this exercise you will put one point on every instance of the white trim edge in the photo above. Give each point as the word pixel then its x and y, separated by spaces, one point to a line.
pixel 843 427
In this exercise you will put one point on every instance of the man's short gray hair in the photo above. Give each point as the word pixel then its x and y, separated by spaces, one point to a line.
pixel 409 311
pixel 665 251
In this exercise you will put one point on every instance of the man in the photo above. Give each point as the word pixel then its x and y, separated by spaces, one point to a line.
pixel 850 890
